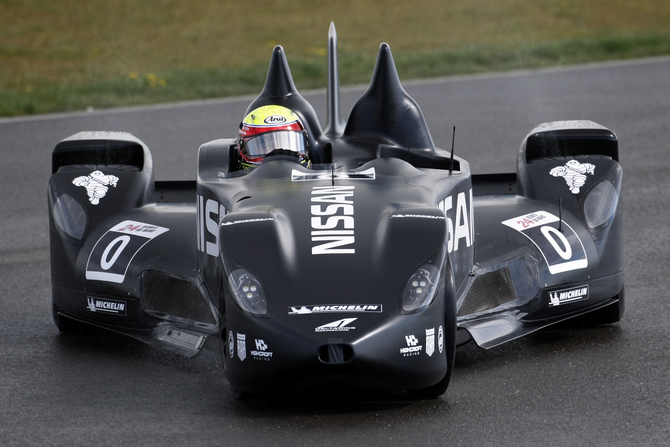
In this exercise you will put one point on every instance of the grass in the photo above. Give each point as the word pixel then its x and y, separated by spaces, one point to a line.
pixel 74 54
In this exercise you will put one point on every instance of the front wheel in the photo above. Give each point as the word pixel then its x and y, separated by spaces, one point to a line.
pixel 234 391
pixel 435 391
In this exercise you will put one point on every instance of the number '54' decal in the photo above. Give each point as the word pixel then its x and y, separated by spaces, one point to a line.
pixel 111 255
pixel 562 251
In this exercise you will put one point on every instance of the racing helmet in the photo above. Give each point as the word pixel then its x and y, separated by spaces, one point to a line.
pixel 272 128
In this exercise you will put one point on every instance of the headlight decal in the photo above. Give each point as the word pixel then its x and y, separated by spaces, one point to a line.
pixel 69 215
pixel 423 284
pixel 248 292
pixel 600 205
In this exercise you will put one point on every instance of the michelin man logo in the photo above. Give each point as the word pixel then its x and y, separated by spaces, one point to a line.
pixel 574 174
pixel 96 185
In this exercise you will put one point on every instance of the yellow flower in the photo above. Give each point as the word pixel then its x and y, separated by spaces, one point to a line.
pixel 316 51
pixel 133 75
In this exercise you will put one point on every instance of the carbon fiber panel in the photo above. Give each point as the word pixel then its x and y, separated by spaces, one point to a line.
pixel 488 291
pixel 174 296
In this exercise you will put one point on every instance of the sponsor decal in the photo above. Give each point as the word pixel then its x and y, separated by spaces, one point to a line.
pixel 530 220
pixel 563 251
pixel 209 214
pixel 334 308
pixel 337 326
pixel 298 176
pixel 99 135
pixel 574 174
pixel 332 220
pixel 440 339
pixel 260 219
pixel 565 125
pixel 112 254
pixel 419 216
pixel 231 344
pixel 96 184
pixel 413 347
pixel 430 341
pixel 107 306
pixel 261 352
pixel 460 222
pixel 566 296
pixel 139 228
pixel 274 119
pixel 241 346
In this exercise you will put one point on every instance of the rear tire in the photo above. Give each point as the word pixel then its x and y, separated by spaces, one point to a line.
pixel 612 313
pixel 66 325
pixel 608 315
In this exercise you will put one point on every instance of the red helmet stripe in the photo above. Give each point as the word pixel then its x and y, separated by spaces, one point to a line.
pixel 248 131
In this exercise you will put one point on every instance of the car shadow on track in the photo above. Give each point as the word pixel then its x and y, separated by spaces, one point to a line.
pixel 569 336
pixel 94 353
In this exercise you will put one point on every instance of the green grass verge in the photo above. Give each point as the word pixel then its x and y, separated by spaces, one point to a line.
pixel 310 72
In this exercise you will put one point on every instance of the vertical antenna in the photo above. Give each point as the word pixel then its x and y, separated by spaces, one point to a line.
pixel 451 159
pixel 334 123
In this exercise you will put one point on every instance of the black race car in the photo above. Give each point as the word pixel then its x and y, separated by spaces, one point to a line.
pixel 367 253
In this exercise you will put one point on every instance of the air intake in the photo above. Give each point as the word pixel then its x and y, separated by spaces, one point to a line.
pixel 174 296
pixel 489 291
pixel 336 353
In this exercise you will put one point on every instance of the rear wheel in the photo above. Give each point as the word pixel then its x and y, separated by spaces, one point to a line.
pixel 612 313
pixel 607 315
pixel 64 324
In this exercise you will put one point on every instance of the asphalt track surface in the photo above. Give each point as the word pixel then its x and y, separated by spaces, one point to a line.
pixel 561 386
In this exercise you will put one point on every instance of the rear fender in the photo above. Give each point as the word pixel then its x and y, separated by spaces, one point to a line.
pixel 564 160
pixel 573 165
pixel 96 175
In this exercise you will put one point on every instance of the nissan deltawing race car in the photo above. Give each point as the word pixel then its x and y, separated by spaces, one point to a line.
pixel 358 250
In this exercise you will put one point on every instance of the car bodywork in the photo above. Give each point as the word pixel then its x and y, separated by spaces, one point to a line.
pixel 376 262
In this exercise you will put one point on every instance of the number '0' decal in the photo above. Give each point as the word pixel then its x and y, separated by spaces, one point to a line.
pixel 562 251
pixel 121 241
pixel 112 254
pixel 562 246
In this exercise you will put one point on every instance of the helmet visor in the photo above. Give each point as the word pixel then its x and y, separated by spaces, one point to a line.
pixel 261 145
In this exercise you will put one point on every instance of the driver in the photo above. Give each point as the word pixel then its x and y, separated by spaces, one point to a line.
pixel 272 130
